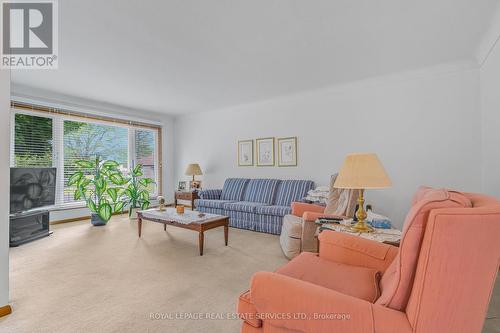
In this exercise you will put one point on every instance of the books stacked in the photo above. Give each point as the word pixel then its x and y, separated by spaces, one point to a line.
pixel 322 220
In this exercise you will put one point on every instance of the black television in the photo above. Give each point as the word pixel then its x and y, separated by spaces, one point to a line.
pixel 32 188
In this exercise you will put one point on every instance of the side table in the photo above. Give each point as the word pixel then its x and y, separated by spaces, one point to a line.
pixel 186 195
pixel 387 236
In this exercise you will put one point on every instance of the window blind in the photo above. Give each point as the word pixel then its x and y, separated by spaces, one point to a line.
pixel 19 106
pixel 145 154
pixel 58 139
pixel 86 141
pixel 33 138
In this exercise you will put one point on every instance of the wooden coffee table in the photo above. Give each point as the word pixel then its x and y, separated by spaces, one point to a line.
pixel 189 220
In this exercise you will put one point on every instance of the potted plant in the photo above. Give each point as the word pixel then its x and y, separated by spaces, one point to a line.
pixel 136 192
pixel 99 183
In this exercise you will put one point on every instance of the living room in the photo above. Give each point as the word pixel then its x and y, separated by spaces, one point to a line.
pixel 253 166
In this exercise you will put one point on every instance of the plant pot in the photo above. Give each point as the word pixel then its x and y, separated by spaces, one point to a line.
pixel 133 215
pixel 96 220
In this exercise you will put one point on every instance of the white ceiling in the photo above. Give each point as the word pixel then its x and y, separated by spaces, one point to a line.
pixel 179 56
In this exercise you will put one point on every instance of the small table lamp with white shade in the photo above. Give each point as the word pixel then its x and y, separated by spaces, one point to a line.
pixel 193 169
pixel 362 171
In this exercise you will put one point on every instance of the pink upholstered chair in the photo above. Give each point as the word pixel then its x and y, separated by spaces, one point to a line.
pixel 439 280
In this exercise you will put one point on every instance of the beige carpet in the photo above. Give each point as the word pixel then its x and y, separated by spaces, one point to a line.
pixel 105 279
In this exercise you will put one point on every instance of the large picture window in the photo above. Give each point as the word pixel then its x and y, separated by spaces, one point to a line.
pixel 57 140
pixel 84 141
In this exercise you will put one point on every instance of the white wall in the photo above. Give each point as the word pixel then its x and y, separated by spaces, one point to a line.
pixel 424 126
pixel 42 96
pixel 490 99
pixel 4 183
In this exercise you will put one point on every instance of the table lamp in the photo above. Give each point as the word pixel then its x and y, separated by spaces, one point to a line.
pixel 362 171
pixel 193 170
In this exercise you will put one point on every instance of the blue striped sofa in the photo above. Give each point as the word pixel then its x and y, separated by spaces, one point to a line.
pixel 254 204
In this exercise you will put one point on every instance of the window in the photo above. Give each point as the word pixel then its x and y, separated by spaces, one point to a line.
pixel 84 140
pixel 44 139
pixel 33 141
pixel 144 152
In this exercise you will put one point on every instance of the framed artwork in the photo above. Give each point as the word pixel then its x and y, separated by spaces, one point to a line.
pixel 245 153
pixel 265 151
pixel 182 186
pixel 194 185
pixel 287 152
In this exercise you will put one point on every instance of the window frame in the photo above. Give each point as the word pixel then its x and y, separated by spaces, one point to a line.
pixel 157 154
pixel 58 119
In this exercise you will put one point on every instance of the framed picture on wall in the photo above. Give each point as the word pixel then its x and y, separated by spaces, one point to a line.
pixel 245 153
pixel 265 151
pixel 194 185
pixel 182 186
pixel 287 152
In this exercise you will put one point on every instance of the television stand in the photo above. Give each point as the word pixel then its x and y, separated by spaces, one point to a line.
pixel 29 226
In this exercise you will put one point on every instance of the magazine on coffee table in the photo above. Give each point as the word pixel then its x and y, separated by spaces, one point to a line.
pixel 171 214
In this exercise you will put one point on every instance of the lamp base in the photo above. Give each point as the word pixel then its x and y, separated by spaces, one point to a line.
pixel 360 227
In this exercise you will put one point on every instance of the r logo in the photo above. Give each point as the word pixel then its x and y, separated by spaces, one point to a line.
pixel 27 28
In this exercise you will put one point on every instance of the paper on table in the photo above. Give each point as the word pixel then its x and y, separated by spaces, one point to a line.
pixel 380 235
pixel 170 214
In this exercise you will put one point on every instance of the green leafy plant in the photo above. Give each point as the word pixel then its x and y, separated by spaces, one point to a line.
pixel 137 192
pixel 99 183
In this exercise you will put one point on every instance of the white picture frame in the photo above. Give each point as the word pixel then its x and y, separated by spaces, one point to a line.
pixel 265 151
pixel 245 153
pixel 287 152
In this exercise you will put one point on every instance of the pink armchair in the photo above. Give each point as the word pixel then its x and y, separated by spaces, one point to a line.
pixel 440 279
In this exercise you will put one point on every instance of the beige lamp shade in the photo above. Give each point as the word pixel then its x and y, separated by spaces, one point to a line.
pixel 193 170
pixel 362 171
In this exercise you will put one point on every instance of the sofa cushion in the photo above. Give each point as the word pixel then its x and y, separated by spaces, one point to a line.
pixel 398 278
pixel 211 203
pixel 292 190
pixel 261 190
pixel 359 282
pixel 233 189
pixel 242 206
pixel 274 210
